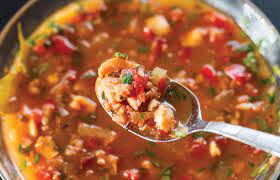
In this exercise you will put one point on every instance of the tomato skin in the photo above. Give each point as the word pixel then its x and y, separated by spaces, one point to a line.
pixel 93 143
pixel 219 20
pixel 209 72
pixel 40 49
pixel 238 73
pixel 62 45
pixel 184 55
pixel 132 174
pixel 199 148
pixel 162 84
pixel 157 49
pixel 148 34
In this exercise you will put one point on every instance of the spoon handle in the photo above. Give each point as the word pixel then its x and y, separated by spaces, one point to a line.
pixel 260 140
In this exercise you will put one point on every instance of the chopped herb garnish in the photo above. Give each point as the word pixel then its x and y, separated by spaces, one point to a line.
pixel 251 165
pixel 156 163
pixel 212 91
pixel 24 150
pixel 120 55
pixel 127 78
pixel 229 172
pixel 39 70
pixel 89 75
pixel 251 62
pixel 37 158
pixel 138 154
pixel 166 173
pixel 143 49
pixel 142 115
pixel 53 25
pixel 103 95
pixel 150 153
pixel 180 134
pixel 246 48
pixel 23 165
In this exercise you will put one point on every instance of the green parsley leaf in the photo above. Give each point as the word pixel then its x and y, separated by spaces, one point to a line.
pixel 251 62
pixel 127 78
pixel 212 91
pixel 37 158
pixel 24 150
pixel 246 48
pixel 23 165
pixel 120 55
pixel 89 75
pixel 103 95
pixel 143 49
pixel 180 134
pixel 150 153
pixel 142 115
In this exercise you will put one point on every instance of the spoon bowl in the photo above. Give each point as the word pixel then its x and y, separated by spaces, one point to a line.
pixel 193 123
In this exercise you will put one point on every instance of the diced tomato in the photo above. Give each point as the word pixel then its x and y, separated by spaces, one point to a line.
pixel 157 49
pixel 221 140
pixel 40 49
pixel 93 143
pixel 176 14
pixel 132 174
pixel 86 161
pixel 71 75
pixel 37 115
pixel 139 83
pixel 62 45
pixel 148 33
pixel 253 150
pixel 238 73
pixel 43 175
pixel 219 20
pixel 209 72
pixel 199 148
pixel 184 55
pixel 162 84
pixel 186 177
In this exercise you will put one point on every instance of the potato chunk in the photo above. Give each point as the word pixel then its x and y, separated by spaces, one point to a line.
pixel 164 118
pixel 46 146
pixel 105 135
pixel 158 25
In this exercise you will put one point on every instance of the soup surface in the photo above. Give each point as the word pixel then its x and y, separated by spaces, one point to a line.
pixel 56 129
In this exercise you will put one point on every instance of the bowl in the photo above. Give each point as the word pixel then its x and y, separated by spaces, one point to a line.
pixel 256 25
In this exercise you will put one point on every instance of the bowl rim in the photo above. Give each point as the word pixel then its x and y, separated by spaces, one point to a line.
pixel 14 20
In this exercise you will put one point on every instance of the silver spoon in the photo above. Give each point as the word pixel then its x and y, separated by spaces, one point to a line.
pixel 194 123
